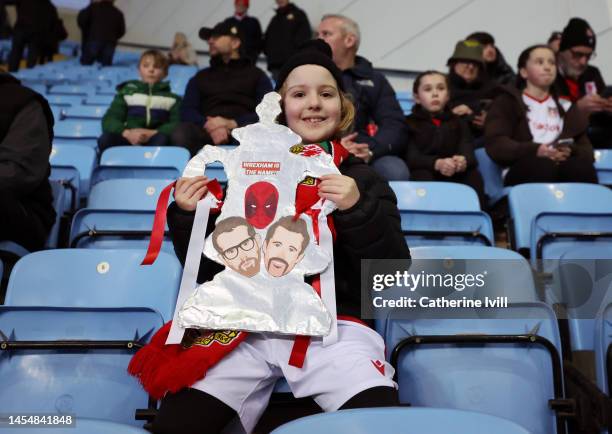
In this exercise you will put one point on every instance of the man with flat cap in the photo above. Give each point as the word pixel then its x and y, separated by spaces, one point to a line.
pixel 581 83
pixel 223 96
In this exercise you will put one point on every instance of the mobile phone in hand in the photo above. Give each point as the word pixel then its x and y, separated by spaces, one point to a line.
pixel 561 143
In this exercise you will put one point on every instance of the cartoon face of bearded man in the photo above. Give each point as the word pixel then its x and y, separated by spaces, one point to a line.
pixel 286 241
pixel 238 245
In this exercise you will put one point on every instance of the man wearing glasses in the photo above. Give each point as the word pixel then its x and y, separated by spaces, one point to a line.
pixel 238 245
pixel 582 83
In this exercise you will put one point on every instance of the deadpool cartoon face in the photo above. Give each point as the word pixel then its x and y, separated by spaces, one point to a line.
pixel 260 203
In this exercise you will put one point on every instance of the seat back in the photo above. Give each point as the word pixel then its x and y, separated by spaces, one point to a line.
pixel 603 350
pixel 506 364
pixel 81 158
pixel 85 111
pixel 73 376
pixel 441 213
pixel 527 201
pixel 126 194
pixel 401 421
pixel 95 278
pixel 78 129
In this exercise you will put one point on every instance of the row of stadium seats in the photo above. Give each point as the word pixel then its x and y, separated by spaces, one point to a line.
pixel 505 363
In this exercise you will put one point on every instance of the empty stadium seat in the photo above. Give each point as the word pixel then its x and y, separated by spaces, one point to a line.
pixel 65 100
pixel 506 363
pixel 119 214
pixel 102 100
pixel 73 361
pixel 95 278
pixel 82 132
pixel 441 213
pixel 85 111
pixel 147 162
pixel 492 177
pixel 603 165
pixel 548 219
pixel 400 421
pixel 72 89
pixel 73 165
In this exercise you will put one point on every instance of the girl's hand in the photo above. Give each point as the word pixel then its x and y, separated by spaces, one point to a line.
pixel 340 189
pixel 188 191
pixel 462 110
pixel 446 166
pixel 460 163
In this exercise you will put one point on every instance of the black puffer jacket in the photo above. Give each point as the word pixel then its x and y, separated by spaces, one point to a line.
pixel 288 29
pixel 101 22
pixel 369 230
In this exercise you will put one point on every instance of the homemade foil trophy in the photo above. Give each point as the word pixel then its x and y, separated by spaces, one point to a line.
pixel 271 232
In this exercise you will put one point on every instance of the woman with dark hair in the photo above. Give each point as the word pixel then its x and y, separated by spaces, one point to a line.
pixel 538 136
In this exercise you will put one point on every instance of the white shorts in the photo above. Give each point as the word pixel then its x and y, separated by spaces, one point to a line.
pixel 244 379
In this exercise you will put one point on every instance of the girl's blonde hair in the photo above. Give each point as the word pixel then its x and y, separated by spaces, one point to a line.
pixel 347 112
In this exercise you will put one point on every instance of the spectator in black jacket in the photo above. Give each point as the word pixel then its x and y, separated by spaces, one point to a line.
pixel 26 131
pixel 471 91
pixel 581 83
pixel 249 28
pixel 5 27
pixel 495 65
pixel 102 24
pixel 287 30
pixel 35 22
pixel 367 225
pixel 223 96
pixel 442 148
pixel 375 102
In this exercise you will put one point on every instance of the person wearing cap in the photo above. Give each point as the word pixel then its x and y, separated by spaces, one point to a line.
pixel 223 96
pixel 350 373
pixel 249 28
pixel 581 83
pixel 374 99
pixel 495 65
pixel 288 29
pixel 470 91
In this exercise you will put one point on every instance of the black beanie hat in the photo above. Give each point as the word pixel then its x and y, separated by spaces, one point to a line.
pixel 314 52
pixel 483 37
pixel 577 32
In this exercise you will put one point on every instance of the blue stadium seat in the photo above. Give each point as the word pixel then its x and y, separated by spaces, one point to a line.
pixel 508 274
pixel 61 361
pixel 441 213
pixel 101 100
pixel 88 426
pixel 404 95
pixel 73 165
pixel 406 106
pixel 119 214
pixel 603 165
pixel 146 162
pixel 584 286
pixel 492 177
pixel 65 100
pixel 548 219
pixel 85 111
pixel 95 278
pixel 71 89
pixel 401 421
pixel 60 205
pixel 85 132
pixel 603 350
pixel 506 363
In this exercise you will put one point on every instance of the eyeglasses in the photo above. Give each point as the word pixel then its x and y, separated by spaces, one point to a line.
pixel 245 246
pixel 577 55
